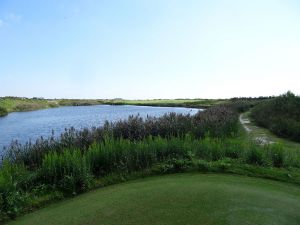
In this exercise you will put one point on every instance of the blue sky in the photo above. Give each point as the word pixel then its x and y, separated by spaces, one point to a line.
pixel 141 49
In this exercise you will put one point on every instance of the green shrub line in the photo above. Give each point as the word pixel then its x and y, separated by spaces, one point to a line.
pixel 281 115
pixel 72 171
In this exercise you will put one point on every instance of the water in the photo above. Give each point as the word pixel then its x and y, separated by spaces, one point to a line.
pixel 24 126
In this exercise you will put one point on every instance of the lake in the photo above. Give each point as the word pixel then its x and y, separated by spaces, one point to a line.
pixel 24 126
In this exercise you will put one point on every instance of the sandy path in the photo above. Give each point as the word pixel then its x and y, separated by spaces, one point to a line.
pixel 257 133
pixel 244 121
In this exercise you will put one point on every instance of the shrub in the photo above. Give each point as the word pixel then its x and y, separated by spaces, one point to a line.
pixel 276 153
pixel 12 197
pixel 3 111
pixel 281 115
pixel 254 155
pixel 203 166
pixel 69 171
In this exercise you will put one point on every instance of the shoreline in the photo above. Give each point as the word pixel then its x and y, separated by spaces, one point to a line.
pixel 12 104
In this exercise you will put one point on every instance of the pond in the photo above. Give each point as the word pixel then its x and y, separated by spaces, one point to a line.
pixel 25 126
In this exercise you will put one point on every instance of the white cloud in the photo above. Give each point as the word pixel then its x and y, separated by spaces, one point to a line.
pixel 10 18
pixel 13 17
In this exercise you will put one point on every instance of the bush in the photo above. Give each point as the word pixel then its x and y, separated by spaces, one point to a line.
pixel 12 196
pixel 281 115
pixel 203 166
pixel 244 104
pixel 254 155
pixel 3 111
pixel 69 171
pixel 276 154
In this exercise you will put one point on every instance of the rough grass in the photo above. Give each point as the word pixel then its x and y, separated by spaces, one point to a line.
pixel 18 104
pixel 178 199
pixel 79 102
pixel 13 104
pixel 195 103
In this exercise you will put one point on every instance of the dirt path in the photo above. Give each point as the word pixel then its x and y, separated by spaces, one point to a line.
pixel 262 135
pixel 258 134
pixel 244 121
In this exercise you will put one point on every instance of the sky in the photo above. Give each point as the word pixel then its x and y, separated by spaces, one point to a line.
pixel 145 49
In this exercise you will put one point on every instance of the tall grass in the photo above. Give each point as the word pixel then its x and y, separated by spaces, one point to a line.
pixel 13 185
pixel 123 155
pixel 72 170
pixel 68 170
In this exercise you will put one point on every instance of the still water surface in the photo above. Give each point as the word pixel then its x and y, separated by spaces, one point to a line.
pixel 23 126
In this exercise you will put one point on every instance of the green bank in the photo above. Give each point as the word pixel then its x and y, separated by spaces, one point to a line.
pixel 19 104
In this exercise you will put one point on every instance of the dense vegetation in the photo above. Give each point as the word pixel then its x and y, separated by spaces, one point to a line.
pixel 79 102
pixel 244 104
pixel 3 111
pixel 35 173
pixel 73 171
pixel 16 104
pixel 281 115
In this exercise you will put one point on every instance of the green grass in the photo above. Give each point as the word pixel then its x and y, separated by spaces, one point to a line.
pixel 79 102
pixel 12 104
pixel 195 103
pixel 16 104
pixel 178 199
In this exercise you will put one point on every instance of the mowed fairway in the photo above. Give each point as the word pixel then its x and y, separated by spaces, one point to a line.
pixel 178 199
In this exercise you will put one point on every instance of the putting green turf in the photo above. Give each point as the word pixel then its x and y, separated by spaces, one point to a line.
pixel 182 199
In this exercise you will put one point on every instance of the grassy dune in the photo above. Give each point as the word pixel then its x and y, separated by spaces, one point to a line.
pixel 16 104
pixel 195 103
pixel 178 199
pixel 12 104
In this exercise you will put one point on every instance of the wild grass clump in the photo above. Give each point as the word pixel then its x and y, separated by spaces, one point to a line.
pixel 13 195
pixel 281 115
pixel 3 111
pixel 219 121
pixel 254 155
pixel 69 171
pixel 21 190
pixel 28 106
